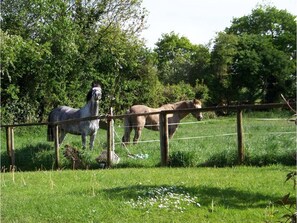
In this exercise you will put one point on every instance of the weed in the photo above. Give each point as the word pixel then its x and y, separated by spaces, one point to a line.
pixel 182 159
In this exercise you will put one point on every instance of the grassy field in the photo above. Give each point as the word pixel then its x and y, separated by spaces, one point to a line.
pixel 268 139
pixel 137 190
pixel 240 194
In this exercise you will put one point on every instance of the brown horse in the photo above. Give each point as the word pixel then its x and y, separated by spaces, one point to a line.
pixel 151 121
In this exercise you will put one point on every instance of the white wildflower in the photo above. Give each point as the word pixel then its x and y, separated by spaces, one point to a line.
pixel 168 198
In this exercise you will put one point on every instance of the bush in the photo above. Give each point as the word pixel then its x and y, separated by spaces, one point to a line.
pixel 182 159
pixel 178 92
pixel 224 158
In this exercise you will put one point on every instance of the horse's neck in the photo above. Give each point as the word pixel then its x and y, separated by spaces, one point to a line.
pixel 181 105
pixel 95 108
pixel 90 109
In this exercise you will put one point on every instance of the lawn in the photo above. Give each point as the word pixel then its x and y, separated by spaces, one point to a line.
pixel 210 187
pixel 238 194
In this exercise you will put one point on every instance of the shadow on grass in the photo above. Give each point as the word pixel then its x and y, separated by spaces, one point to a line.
pixel 207 195
pixel 29 158
pixel 230 158
pixel 41 156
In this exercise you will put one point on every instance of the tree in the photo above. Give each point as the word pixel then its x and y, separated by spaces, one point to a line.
pixel 21 66
pixel 271 22
pixel 63 46
pixel 260 71
pixel 253 59
pixel 180 60
pixel 268 42
pixel 224 50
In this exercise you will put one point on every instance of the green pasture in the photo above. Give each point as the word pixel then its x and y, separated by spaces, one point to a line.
pixel 269 138
pixel 138 190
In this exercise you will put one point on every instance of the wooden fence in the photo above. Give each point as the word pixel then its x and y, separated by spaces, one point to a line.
pixel 164 139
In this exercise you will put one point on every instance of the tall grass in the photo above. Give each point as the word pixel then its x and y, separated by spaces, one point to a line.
pixel 212 142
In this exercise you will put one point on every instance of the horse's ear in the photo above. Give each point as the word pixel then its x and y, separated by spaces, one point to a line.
pixel 96 84
pixel 196 101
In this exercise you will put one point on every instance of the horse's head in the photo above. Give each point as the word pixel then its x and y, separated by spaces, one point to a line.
pixel 94 94
pixel 197 104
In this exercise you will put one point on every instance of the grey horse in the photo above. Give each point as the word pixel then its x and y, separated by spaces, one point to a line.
pixel 83 128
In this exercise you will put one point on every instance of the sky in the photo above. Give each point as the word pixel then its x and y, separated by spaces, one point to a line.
pixel 199 20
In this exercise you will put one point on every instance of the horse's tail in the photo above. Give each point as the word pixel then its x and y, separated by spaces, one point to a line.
pixel 50 130
pixel 127 128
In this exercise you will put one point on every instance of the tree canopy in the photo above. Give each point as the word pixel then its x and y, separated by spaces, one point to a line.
pixel 52 50
pixel 265 61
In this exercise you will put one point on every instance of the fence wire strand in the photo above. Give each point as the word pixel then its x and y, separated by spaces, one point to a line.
pixel 208 136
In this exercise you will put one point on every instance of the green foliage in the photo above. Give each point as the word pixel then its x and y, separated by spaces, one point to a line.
pixel 261 71
pixel 252 61
pixel 221 60
pixel 53 50
pixel 266 20
pixel 290 215
pixel 264 63
pixel 178 92
pixel 182 159
pixel 201 91
pixel 180 60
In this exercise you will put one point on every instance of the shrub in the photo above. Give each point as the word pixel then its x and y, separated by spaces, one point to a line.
pixel 182 159
pixel 224 158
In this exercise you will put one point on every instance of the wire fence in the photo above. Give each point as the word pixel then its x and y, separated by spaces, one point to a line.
pixel 207 139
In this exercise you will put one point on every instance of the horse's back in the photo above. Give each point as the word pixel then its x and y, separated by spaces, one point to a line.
pixel 63 113
pixel 150 121
pixel 59 114
pixel 140 109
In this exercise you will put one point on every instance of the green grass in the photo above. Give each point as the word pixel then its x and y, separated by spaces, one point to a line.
pixel 139 195
pixel 150 193
pixel 212 142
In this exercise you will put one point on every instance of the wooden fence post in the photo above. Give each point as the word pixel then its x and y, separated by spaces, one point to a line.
pixel 8 140
pixel 240 145
pixel 57 146
pixel 164 142
pixel 110 139
pixel 10 145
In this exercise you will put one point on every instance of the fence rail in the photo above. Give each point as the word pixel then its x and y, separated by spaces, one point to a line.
pixel 164 139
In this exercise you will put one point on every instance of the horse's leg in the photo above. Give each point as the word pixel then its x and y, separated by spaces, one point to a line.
pixel 172 129
pixel 126 136
pixel 140 120
pixel 92 140
pixel 137 134
pixel 62 135
pixel 83 140
pixel 127 130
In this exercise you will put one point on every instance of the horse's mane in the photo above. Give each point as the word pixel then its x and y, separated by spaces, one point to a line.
pixel 185 104
pixel 89 95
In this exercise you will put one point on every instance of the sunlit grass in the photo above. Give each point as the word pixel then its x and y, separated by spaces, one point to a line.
pixel 213 142
pixel 145 195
